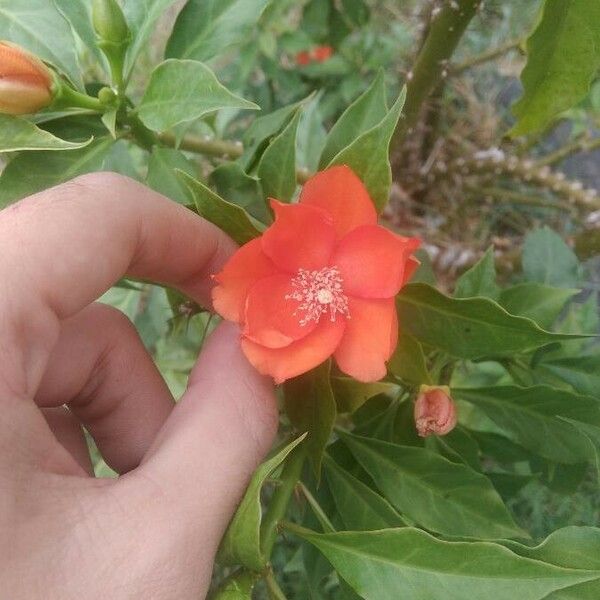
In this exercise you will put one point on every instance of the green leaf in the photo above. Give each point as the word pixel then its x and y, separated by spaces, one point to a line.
pixel 277 166
pixel 40 28
pixel 184 90
pixel 310 406
pixel 350 394
pixel 231 218
pixel 469 328
pixel 457 446
pixel 381 564
pixel 79 16
pixel 547 259
pixel 207 28
pixel 234 184
pixel 359 507
pixel 440 495
pixel 368 155
pixel 142 16
pixel 162 176
pixel 19 134
pixel 479 280
pixel 34 171
pixel 363 114
pixel 262 131
pixel 581 372
pixel 408 361
pixel 570 547
pixel 563 59
pixel 540 303
pixel 530 417
pixel 238 587
pixel 241 544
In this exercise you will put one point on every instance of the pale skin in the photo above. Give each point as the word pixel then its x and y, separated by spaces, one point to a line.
pixel 153 532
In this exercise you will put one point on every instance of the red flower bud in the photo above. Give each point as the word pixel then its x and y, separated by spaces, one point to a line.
pixel 303 58
pixel 25 81
pixel 435 411
pixel 322 53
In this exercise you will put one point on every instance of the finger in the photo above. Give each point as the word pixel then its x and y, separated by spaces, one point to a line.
pixel 217 434
pixel 101 370
pixel 79 238
pixel 69 433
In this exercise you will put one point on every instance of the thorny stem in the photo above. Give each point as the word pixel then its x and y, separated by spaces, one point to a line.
pixel 431 66
pixel 281 498
pixel 487 56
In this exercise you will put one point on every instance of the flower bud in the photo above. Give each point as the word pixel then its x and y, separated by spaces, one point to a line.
pixel 109 21
pixel 25 81
pixel 435 411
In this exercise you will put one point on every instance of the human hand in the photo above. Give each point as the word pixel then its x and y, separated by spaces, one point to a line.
pixel 153 532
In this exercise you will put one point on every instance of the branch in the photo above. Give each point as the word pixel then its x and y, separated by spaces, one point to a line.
pixel 431 66
pixel 584 144
pixel 487 56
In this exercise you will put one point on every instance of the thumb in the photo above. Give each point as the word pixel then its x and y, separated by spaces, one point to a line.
pixel 216 435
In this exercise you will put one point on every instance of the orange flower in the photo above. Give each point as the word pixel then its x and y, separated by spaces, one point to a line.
pixel 435 411
pixel 318 54
pixel 25 81
pixel 320 281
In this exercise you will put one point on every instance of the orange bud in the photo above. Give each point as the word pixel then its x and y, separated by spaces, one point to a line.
pixel 25 81
pixel 435 411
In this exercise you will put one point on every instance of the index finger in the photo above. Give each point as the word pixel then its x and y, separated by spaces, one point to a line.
pixel 64 247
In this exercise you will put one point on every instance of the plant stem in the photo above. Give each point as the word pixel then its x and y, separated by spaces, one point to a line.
pixel 275 592
pixel 316 508
pixel 69 97
pixel 217 148
pixel 584 144
pixel 281 498
pixel 431 65
pixel 486 56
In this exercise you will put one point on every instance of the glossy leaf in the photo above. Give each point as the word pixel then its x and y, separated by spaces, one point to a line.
pixel 310 406
pixel 207 28
pixel 368 155
pixel 563 59
pixel 380 564
pixel 440 495
pixel 541 303
pixel 241 544
pixel 469 328
pixel 408 361
pixel 40 28
pixel 277 166
pixel 547 259
pixel 31 172
pixel 350 394
pixel 184 90
pixel 162 176
pixel 479 280
pixel 231 218
pixel 19 134
pixel 531 417
pixel 359 507
pixel 363 114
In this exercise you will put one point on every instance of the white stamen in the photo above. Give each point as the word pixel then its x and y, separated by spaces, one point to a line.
pixel 319 292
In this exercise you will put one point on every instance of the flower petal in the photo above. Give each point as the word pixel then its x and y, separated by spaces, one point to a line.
pixel 271 317
pixel 343 195
pixel 302 237
pixel 247 266
pixel 300 356
pixel 412 264
pixel 372 261
pixel 369 340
